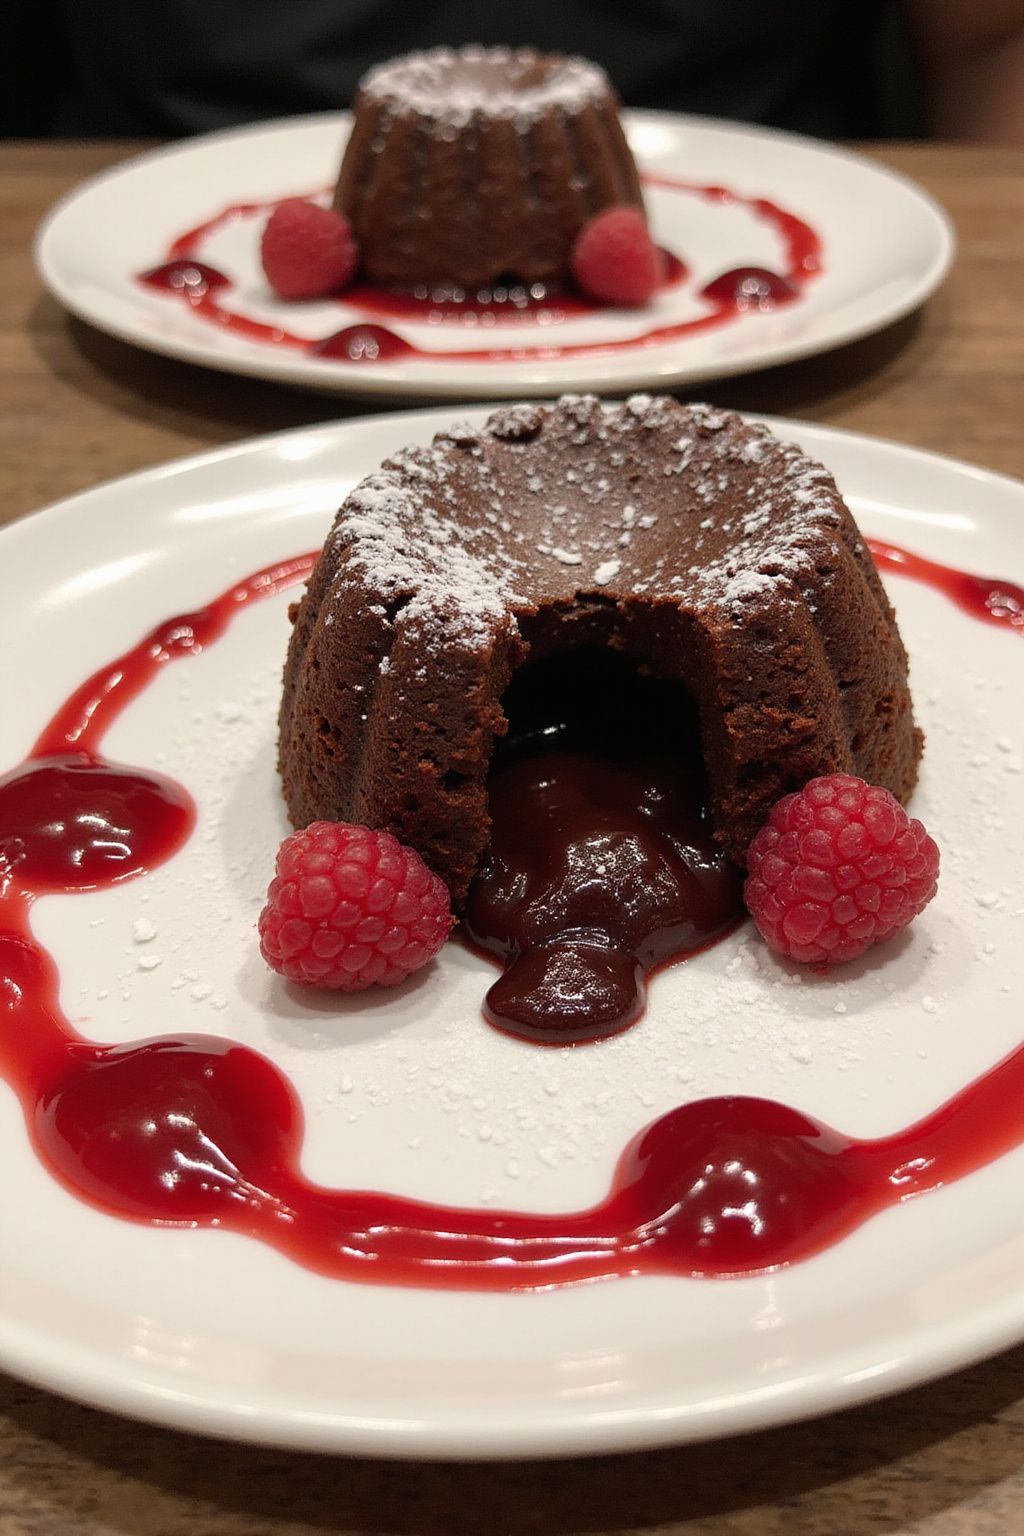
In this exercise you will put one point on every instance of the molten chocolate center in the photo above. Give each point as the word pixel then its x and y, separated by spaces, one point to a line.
pixel 602 863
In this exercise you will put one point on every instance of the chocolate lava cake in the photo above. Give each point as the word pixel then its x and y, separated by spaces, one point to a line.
pixel 700 545
pixel 468 167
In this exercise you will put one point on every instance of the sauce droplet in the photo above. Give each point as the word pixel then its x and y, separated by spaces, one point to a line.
pixel 75 823
pixel 364 344
pixel 749 288
pixel 193 280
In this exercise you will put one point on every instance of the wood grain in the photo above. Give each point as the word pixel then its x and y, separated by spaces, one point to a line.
pixel 945 1460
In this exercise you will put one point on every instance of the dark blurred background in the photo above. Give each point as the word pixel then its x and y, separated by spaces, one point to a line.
pixel 835 68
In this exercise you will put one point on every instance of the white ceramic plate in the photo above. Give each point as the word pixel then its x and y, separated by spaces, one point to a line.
pixel 886 247
pixel 209 1331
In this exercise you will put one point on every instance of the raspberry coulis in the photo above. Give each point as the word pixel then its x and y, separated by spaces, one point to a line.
pixel 983 597
pixel 200 1131
pixel 727 297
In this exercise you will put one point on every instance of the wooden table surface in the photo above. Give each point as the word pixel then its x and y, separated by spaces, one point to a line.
pixel 945 1460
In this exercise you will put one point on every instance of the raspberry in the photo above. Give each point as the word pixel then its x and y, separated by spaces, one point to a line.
pixel 307 251
pixel 614 258
pixel 836 868
pixel 350 908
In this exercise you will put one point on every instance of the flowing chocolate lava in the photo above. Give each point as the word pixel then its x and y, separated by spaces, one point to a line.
pixel 602 862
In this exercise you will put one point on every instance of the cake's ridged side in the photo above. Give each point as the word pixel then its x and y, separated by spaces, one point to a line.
pixel 767 718
pixel 500 218
pixel 362 173
pixel 607 164
pixel 385 728
pixel 802 683
pixel 545 254
pixel 355 176
pixel 380 190
pixel 869 663
pixel 855 714
pixel 629 177
pixel 427 752
pixel 330 679
pixel 907 745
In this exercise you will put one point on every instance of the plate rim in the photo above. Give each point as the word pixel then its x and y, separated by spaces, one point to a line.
pixel 933 1350
pixel 537 1436
pixel 390 381
pixel 243 447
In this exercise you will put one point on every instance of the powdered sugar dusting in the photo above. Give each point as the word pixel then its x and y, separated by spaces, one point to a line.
pixel 563 556
pixel 543 503
pixel 749 584
pixel 414 557
pixel 516 422
pixel 449 86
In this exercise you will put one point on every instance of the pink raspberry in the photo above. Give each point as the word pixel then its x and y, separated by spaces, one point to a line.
pixel 350 908
pixel 836 868
pixel 307 251
pixel 614 258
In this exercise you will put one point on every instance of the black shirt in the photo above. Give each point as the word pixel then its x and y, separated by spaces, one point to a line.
pixel 172 67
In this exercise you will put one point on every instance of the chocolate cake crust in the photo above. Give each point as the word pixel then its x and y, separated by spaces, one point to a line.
pixel 700 544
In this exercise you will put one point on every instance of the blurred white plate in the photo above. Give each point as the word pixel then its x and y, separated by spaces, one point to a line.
pixel 209 1331
pixel 887 245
